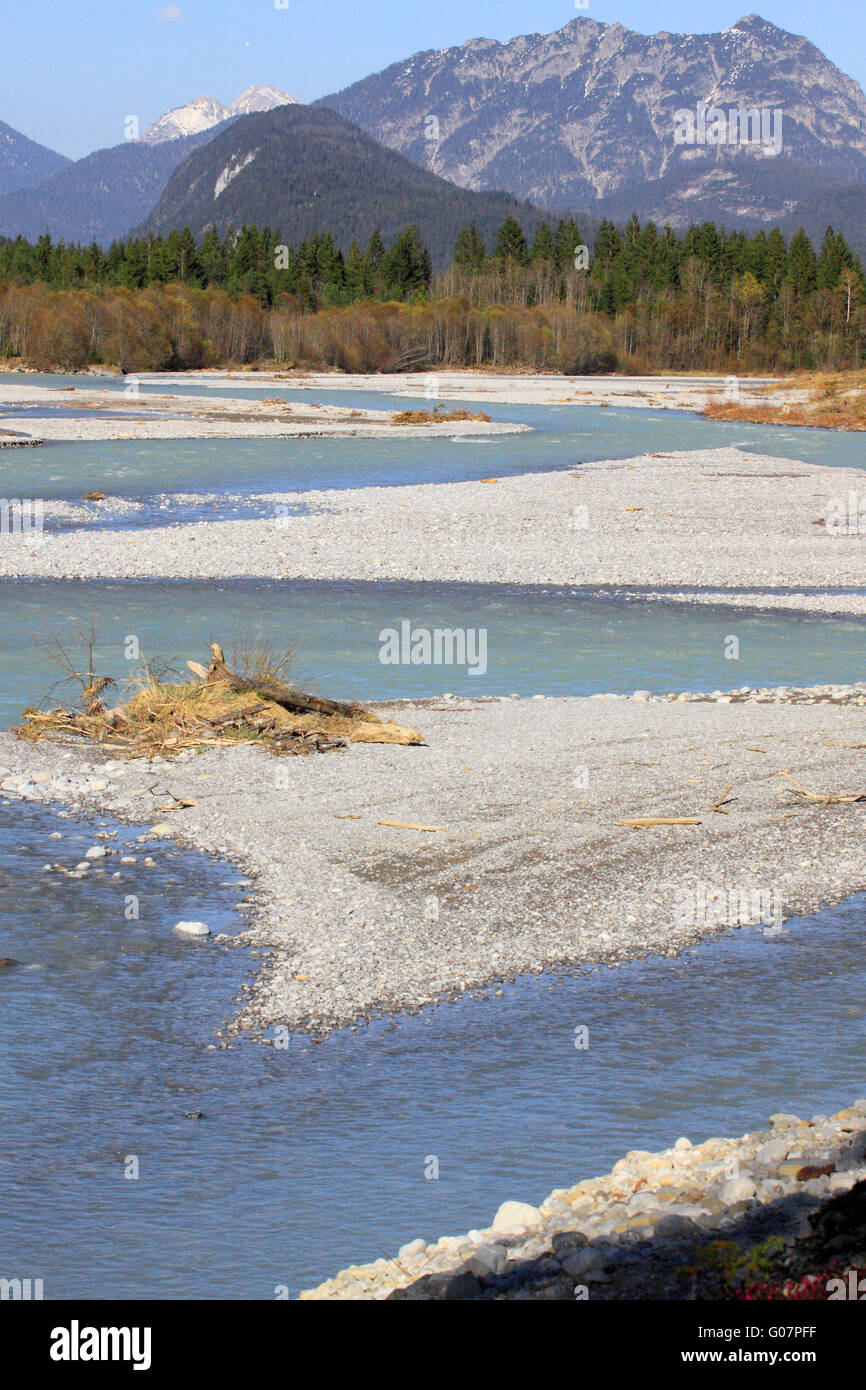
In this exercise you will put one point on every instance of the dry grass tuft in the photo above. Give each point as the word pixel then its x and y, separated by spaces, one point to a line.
pixel 436 417
pixel 831 401
pixel 253 703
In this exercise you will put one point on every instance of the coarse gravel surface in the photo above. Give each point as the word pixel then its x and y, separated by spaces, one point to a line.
pixel 529 869
pixel 718 520
pixel 70 413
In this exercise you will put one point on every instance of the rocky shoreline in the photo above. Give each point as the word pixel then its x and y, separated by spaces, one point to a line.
pixel 726 1217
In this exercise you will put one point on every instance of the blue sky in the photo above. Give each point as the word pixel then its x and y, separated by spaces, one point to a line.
pixel 79 67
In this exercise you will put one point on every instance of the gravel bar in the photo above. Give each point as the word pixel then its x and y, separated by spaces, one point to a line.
pixel 173 416
pixel 530 869
pixel 718 520
pixel 664 392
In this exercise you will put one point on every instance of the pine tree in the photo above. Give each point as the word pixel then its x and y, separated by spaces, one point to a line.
pixel 212 258
pixel 407 267
pixel 511 243
pixel 802 266
pixel 777 259
pixel 565 242
pixel 607 243
pixel 543 247
pixel 469 249
pixel 355 288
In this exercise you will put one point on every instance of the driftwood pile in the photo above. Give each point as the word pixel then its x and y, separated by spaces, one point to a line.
pixel 218 708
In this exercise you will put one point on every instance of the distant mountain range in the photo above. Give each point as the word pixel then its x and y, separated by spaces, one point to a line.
pixel 23 163
pixel 584 120
pixel 107 193
pixel 586 117
pixel 98 198
pixel 206 112
pixel 299 170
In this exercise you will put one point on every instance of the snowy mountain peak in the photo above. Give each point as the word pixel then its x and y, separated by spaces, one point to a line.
pixel 206 112
pixel 261 99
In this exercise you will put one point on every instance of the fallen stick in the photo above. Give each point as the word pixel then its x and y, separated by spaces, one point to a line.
pixel 281 694
pixel 719 804
pixel 645 822
pixel 825 798
pixel 409 825
pixel 233 716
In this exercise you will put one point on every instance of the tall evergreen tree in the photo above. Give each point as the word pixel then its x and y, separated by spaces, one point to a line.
pixel 511 243
pixel 802 266
pixel 469 249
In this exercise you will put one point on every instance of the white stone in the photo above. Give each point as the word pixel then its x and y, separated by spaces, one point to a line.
pixel 95 852
pixel 841 1182
pixel 412 1247
pixel 192 928
pixel 512 1215
pixel 737 1190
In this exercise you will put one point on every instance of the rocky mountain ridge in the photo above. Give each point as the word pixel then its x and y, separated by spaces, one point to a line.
pixel 589 113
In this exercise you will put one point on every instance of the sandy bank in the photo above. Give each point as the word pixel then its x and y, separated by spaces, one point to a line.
pixel 531 868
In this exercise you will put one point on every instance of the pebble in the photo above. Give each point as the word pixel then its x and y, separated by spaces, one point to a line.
pixel 412 1247
pixel 192 928
pixel 512 1216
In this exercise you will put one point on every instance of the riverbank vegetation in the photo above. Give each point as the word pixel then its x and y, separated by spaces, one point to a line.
pixel 824 401
pixel 646 299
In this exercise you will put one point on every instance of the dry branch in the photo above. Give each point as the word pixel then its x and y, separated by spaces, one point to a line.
pixel 645 822
pixel 824 798
pixel 280 694
pixel 409 825
pixel 719 803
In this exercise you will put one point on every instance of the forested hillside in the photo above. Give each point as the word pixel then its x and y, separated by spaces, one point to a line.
pixel 643 298
pixel 309 170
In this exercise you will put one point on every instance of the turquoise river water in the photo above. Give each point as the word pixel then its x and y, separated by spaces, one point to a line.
pixel 310 1158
